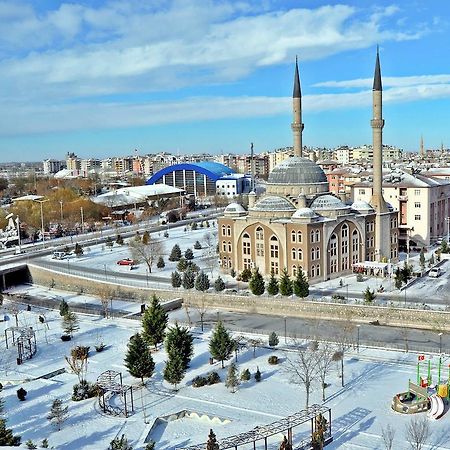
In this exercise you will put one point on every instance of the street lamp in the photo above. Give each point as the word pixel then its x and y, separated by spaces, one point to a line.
pixel 285 329
pixel 42 219
pixel 18 234
pixel 357 339
pixel 408 237
pixel 82 220
pixel 440 343
pixel 106 275
pixel 61 210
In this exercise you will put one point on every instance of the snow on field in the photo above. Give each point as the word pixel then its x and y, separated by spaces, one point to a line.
pixel 360 409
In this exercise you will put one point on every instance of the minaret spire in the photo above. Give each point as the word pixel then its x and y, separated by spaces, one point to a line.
pixel 297 125
pixel 377 86
pixel 422 148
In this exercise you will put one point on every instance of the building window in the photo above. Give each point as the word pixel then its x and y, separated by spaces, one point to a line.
pixel 228 230
pixel 355 241
pixel 299 237
pixel 313 254
pixel 312 236
pixel 294 254
pixel 274 267
pixel 417 217
pixel 362 192
pixel 313 271
pixel 344 231
pixel 293 236
pixel 344 247
pixel 416 204
pixel 318 253
pixel 247 263
pixel 345 263
pixel 273 247
pixel 224 246
pixel 294 270
pixel 333 245
pixel 300 254
pixel 259 234
pixel 229 247
pixel 317 236
pixel 318 270
pixel 223 230
pixel 246 248
pixel 416 191
pixel 333 266
pixel 259 249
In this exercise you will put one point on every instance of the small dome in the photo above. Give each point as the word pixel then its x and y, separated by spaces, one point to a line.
pixel 328 202
pixel 297 170
pixel 304 213
pixel 235 208
pixel 362 206
pixel 274 203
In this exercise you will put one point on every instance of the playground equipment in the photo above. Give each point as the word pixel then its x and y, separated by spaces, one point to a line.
pixel 424 396
pixel 25 340
pixel 111 388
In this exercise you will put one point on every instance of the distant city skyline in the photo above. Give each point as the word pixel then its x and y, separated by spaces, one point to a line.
pixel 191 77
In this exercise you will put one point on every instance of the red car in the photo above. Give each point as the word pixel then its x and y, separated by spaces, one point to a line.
pixel 126 262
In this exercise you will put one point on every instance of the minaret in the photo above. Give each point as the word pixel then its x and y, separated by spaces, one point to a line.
pixel 297 125
pixel 422 149
pixel 377 124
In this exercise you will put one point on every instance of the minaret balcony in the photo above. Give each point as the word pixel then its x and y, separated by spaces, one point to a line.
pixel 377 123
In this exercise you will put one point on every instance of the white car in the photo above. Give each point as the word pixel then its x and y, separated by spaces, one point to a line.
pixel 435 272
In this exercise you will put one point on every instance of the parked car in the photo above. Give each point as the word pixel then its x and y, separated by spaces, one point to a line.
pixel 126 262
pixel 435 272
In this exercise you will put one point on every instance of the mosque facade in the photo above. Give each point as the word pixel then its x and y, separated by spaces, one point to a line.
pixel 299 225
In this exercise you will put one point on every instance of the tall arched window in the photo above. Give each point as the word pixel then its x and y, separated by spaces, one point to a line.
pixel 344 231
pixel 318 252
pixel 294 270
pixel 300 254
pixel 259 234
pixel 229 246
pixel 313 254
pixel 274 247
pixel 293 236
pixel 246 249
pixel 355 241
pixel 318 270
pixel 224 233
pixel 313 271
pixel 294 254
pixel 228 230
pixel 333 245
pixel 224 246
pixel 312 236
pixel 317 236
pixel 299 237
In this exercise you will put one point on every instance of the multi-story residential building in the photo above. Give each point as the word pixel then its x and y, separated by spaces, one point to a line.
pixel 51 166
pixel 89 165
pixel 73 163
pixel 423 204
pixel 348 155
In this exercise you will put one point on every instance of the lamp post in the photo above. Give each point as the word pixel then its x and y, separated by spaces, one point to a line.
pixel 106 275
pixel 285 329
pixel 18 234
pixel 440 343
pixel 42 219
pixel 357 339
pixel 82 219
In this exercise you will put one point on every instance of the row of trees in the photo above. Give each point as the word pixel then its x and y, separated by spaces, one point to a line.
pixel 284 285
pixel 200 281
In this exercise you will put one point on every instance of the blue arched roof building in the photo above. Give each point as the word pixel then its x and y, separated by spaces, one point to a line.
pixel 197 178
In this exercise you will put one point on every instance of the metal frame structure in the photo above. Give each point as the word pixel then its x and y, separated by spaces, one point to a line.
pixel 25 340
pixel 110 384
pixel 284 425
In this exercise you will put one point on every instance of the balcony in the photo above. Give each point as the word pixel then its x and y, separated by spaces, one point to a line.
pixel 403 198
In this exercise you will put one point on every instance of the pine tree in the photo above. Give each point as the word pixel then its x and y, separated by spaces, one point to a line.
pixel 175 254
pixel 146 237
pixel 189 254
pixel 70 323
pixel 257 285
pixel 202 282
pixel 369 296
pixel 174 370
pixel 44 443
pixel 176 279
pixel 212 441
pixel 31 445
pixel 257 375
pixel 182 265
pixel 232 381
pixel 119 240
pixel 197 245
pixel 221 345
pixel 194 226
pixel 431 261
pixel 120 444
pixel 300 285
pixel 285 285
pixel 160 264
pixel 58 413
pixel 233 273
pixel 272 287
pixel 6 435
pixel 219 284
pixel 154 323
pixel 138 359
pixel 179 342
pixel 63 308
pixel 150 445
pixel 273 339
pixel 246 274
pixel 188 279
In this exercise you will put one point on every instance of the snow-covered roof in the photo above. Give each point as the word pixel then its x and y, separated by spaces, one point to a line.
pixel 328 202
pixel 235 208
pixel 362 206
pixel 31 198
pixel 304 213
pixel 134 194
pixel 274 203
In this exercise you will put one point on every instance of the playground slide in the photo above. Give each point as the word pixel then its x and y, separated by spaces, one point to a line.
pixel 437 407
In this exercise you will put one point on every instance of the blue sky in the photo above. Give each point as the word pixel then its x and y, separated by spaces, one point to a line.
pixel 101 78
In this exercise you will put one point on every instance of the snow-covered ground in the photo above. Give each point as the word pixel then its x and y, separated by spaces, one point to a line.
pixel 360 410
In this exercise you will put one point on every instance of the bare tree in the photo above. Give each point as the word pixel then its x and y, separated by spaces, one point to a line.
pixel 106 295
pixel 345 339
pixel 324 356
pixel 302 369
pixel 388 434
pixel 255 343
pixel 405 335
pixel 417 432
pixel 146 253
pixel 78 362
pixel 202 309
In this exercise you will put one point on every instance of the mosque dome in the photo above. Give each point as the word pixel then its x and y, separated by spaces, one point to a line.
pixel 274 203
pixel 304 213
pixel 362 206
pixel 235 208
pixel 297 170
pixel 328 202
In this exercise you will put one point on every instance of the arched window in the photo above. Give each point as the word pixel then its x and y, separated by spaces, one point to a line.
pixel 333 245
pixel 246 244
pixel 294 270
pixel 224 246
pixel 313 253
pixel 313 271
pixel 312 236
pixel 355 241
pixel 224 233
pixel 318 252
pixel 344 231
pixel 293 236
pixel 259 234
pixel 274 247
pixel 294 254
pixel 229 247
pixel 228 230
pixel 299 237
pixel 300 254
pixel 317 236
pixel 318 270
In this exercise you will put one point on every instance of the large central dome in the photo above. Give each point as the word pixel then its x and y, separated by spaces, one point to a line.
pixel 297 171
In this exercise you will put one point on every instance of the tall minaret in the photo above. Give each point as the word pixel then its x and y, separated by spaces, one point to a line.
pixel 297 125
pixel 377 124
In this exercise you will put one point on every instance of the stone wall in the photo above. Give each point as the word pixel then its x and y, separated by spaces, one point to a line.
pixel 400 317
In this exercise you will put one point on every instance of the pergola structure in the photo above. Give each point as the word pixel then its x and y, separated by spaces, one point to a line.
pixel 285 425
pixel 110 384
pixel 25 340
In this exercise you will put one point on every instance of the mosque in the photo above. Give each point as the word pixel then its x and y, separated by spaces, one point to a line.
pixel 299 225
